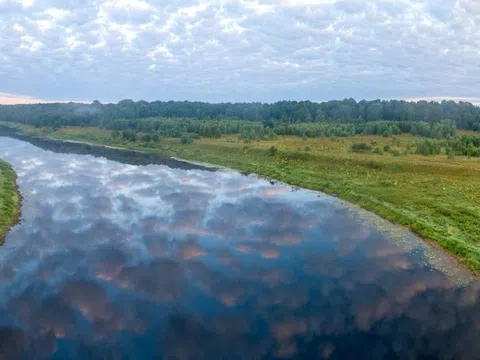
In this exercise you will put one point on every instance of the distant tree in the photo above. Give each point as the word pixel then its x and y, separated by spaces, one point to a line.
pixel 129 135
pixel 186 139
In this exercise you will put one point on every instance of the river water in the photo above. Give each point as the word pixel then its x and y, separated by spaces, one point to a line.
pixel 118 259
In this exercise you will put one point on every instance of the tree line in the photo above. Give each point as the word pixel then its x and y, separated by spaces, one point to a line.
pixel 463 114
pixel 154 129
pixel 463 145
pixel 173 127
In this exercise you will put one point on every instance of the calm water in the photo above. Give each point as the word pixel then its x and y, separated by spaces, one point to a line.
pixel 120 261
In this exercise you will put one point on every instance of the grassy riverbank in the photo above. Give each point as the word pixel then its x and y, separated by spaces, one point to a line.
pixel 438 197
pixel 9 199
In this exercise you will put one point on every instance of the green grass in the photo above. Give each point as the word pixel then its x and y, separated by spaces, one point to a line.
pixel 436 197
pixel 9 199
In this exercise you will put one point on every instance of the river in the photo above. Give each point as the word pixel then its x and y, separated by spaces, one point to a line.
pixel 119 258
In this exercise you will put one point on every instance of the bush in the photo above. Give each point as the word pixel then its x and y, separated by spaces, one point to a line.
pixel 361 147
pixel 396 142
pixel 428 147
pixel 186 139
pixel 378 151
pixel 272 151
pixel 129 135
pixel 308 148
pixel 472 150
pixel 386 148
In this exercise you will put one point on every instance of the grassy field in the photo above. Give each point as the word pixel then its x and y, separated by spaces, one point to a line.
pixel 9 199
pixel 435 196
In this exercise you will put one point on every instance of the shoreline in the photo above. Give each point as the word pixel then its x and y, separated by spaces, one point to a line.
pixel 455 258
pixel 14 218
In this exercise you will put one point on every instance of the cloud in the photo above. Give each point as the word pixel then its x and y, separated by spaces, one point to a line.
pixel 238 50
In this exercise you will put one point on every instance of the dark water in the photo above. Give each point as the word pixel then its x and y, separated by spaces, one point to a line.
pixel 120 261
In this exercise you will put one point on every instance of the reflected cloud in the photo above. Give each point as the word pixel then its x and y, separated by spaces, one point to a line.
pixel 270 254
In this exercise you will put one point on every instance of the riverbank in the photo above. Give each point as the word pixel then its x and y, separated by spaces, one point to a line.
pixel 10 199
pixel 436 197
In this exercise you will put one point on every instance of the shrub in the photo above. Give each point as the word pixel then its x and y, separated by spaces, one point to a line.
pixel 378 151
pixel 129 135
pixel 386 148
pixel 361 147
pixel 472 150
pixel 186 139
pixel 428 147
pixel 396 142
pixel 272 151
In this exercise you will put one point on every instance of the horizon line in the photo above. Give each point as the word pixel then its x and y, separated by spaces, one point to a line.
pixel 15 99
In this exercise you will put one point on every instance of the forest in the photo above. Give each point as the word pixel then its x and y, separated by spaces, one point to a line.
pixel 174 127
pixel 150 122
pixel 463 114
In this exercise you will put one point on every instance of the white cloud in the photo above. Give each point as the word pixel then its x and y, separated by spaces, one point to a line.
pixel 18 27
pixel 225 50
pixel 27 3
pixel 57 14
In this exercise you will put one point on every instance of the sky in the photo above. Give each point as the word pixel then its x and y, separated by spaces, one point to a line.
pixel 244 50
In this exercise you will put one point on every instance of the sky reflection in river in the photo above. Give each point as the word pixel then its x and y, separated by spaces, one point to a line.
pixel 120 261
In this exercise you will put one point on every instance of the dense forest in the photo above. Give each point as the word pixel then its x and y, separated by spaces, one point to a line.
pixel 464 115
pixel 248 130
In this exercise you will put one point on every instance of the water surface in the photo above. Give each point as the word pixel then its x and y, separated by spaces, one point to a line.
pixel 120 261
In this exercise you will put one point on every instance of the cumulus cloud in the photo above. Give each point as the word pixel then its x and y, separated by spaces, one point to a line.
pixel 239 50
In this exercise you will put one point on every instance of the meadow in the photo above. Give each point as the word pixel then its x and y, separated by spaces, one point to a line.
pixel 436 196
